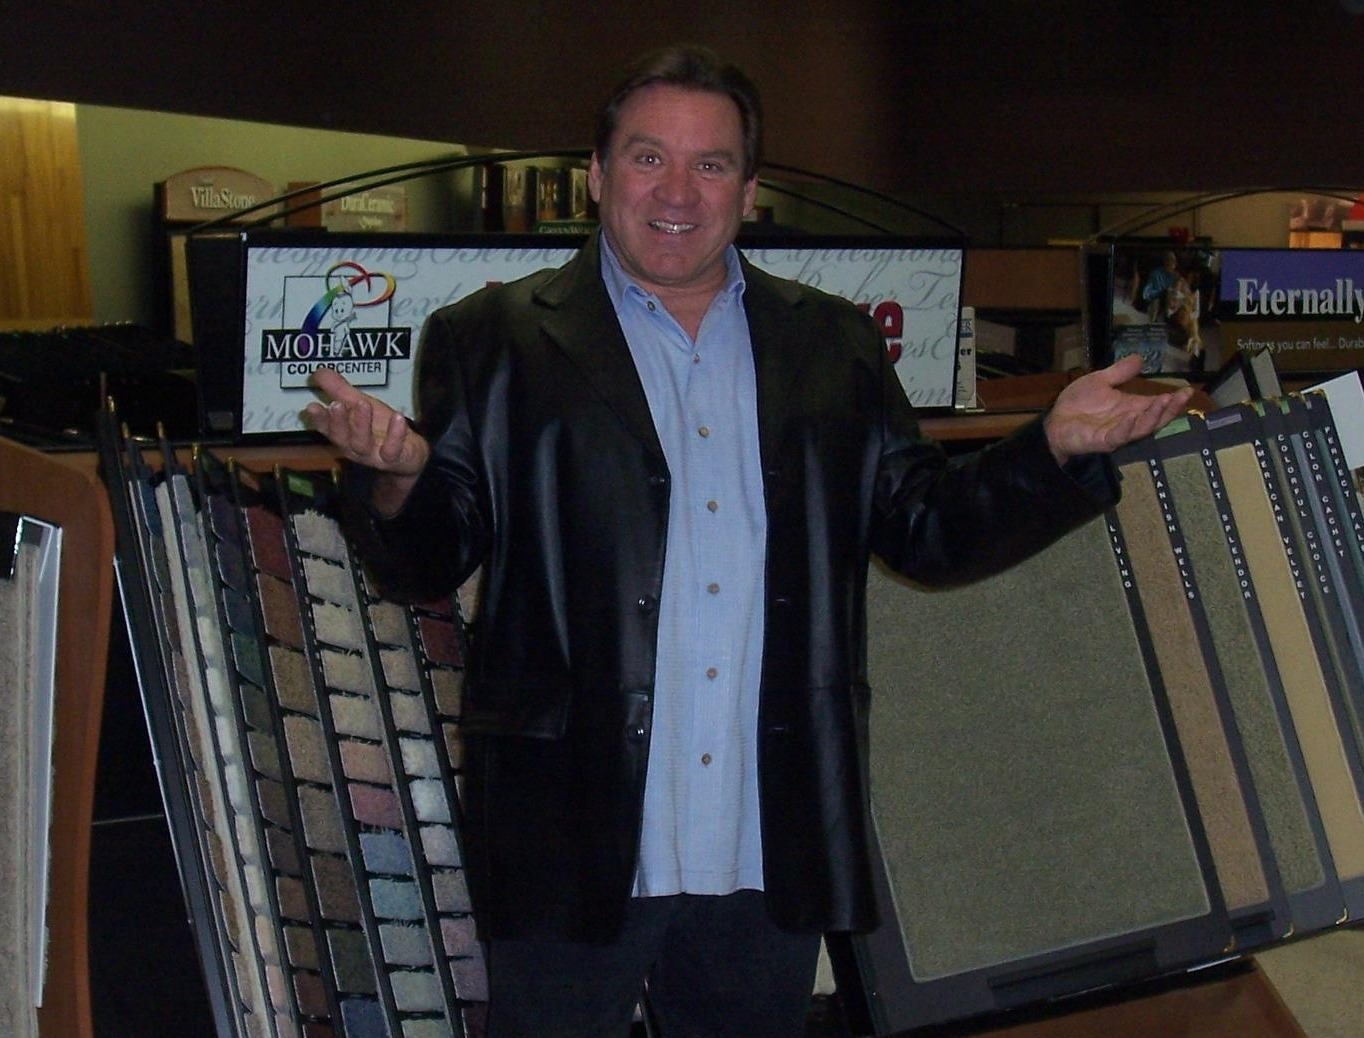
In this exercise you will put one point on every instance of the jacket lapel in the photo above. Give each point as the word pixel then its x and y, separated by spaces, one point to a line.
pixel 580 319
pixel 779 350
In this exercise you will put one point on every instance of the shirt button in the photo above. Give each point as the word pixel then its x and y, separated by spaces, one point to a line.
pixel 712 673
pixel 713 506
pixel 651 306
pixel 714 589
pixel 704 431
pixel 705 759
pixel 696 358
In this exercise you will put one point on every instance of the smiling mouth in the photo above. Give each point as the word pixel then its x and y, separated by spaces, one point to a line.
pixel 671 228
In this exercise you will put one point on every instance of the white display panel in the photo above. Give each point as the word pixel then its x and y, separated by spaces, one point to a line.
pixel 358 305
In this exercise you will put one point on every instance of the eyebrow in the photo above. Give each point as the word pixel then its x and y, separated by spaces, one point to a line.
pixel 639 138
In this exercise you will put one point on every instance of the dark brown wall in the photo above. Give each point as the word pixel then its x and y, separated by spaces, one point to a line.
pixel 907 97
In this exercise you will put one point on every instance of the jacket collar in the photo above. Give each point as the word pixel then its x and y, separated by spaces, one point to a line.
pixel 579 317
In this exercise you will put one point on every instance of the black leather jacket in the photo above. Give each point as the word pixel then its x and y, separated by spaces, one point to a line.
pixel 548 473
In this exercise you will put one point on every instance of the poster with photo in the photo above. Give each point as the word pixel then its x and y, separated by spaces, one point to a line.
pixel 1161 306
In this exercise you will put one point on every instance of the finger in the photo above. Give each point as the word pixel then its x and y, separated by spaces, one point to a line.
pixel 1153 413
pixel 394 439
pixel 1137 417
pixel 1123 370
pixel 1167 408
pixel 331 421
pixel 317 416
pixel 333 385
pixel 1172 405
pixel 360 426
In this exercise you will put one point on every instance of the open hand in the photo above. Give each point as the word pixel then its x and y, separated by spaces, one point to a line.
pixel 1092 415
pixel 368 431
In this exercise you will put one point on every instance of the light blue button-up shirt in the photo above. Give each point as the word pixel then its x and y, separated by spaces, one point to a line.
pixel 701 828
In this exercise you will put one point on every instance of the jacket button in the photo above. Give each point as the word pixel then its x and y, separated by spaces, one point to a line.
pixel 636 732
pixel 656 480
pixel 646 603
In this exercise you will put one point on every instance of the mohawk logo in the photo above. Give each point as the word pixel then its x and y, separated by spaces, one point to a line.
pixel 340 320
pixel 279 345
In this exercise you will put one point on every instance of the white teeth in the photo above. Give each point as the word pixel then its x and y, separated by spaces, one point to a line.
pixel 671 228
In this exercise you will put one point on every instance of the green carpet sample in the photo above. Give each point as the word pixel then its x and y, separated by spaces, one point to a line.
pixel 1022 808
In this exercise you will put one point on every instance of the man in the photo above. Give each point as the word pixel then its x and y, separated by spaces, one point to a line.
pixel 673 469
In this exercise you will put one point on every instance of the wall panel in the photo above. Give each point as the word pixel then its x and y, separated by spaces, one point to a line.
pixel 42 222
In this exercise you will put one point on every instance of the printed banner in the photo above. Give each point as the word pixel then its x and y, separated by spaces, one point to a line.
pixel 1306 306
pixel 360 308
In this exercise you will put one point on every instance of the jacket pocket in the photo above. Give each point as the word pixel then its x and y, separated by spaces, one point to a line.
pixel 535 708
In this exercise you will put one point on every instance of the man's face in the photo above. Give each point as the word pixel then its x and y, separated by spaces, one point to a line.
pixel 671 190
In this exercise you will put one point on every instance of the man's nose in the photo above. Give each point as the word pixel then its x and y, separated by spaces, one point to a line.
pixel 677 186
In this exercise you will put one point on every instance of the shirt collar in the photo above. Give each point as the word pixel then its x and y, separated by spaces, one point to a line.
pixel 620 286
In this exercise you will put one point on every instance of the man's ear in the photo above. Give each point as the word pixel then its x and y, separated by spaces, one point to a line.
pixel 594 176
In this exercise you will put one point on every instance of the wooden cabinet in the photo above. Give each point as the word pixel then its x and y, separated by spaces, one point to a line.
pixel 49 488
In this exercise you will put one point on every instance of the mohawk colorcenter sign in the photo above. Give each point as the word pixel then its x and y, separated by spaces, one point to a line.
pixel 1305 306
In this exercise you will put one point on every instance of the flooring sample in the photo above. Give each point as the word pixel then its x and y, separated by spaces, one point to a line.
pixel 1189 686
pixel 1277 576
pixel 361 649
pixel 29 563
pixel 1026 813
pixel 1282 789
pixel 216 751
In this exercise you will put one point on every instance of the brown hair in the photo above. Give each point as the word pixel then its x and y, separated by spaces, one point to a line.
pixel 693 68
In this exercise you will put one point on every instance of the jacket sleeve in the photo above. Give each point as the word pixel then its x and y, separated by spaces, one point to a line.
pixel 943 521
pixel 442 532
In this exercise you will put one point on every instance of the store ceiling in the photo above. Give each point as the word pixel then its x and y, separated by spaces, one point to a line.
pixel 1001 97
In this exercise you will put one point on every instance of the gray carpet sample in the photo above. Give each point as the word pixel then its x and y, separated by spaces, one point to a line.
pixel 18 636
